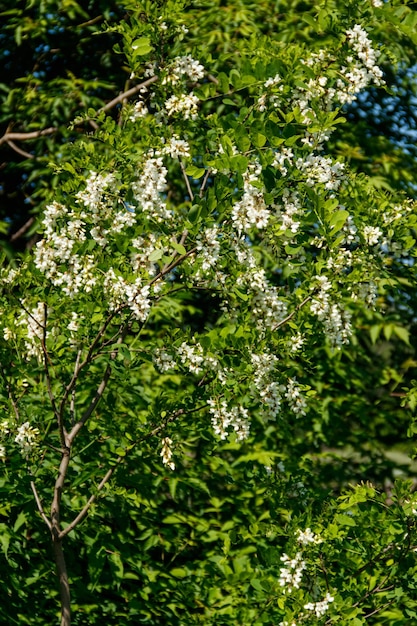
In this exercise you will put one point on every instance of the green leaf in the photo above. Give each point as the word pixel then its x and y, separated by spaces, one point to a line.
pixel 142 46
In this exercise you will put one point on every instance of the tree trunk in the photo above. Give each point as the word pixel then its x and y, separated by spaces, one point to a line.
pixel 64 589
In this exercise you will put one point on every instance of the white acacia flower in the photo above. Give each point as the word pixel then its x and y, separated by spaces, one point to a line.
pixel 166 453
pixel 185 105
pixel 27 437
pixel 372 235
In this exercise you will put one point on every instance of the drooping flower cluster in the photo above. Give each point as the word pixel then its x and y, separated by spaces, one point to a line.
pixel 184 66
pixel 225 419
pixel 166 453
pixel 27 438
pixel 335 320
pixel 291 574
pixel 185 105
pixel 149 187
pixel 251 210
pixel 321 607
pixel 34 323
pixel 296 401
pixel 122 293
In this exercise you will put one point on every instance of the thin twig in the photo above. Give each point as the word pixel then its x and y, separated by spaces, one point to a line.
pixel 22 229
pixel 128 93
pixel 82 514
pixel 291 315
pixel 204 183
pixel 187 182
pixel 46 360
pixel 39 505
pixel 94 20
pixel 23 153
pixel 99 393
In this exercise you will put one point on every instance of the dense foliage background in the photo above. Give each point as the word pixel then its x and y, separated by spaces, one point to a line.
pixel 304 513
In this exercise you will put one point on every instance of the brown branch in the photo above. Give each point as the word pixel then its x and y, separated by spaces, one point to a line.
pixel 204 183
pixel 291 315
pixel 39 505
pixel 22 229
pixel 99 393
pixel 94 20
pixel 84 511
pixel 187 182
pixel 46 360
pixel 64 589
pixel 23 153
pixel 128 93
pixel 26 136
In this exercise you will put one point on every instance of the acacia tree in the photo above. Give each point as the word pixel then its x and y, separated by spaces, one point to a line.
pixel 176 337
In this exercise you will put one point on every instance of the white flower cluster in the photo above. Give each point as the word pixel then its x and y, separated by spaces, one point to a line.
pixel 268 308
pixel 140 110
pixel 34 321
pixel 296 342
pixel 150 185
pixel 322 170
pixel 146 252
pixel 268 390
pixel 225 418
pixel 99 216
pixel 292 573
pixel 184 105
pixel 208 248
pixel 177 148
pixel 304 537
pixel 251 210
pixel 296 401
pixel 134 295
pixel 184 66
pixel 163 361
pixel 359 72
pixel 272 99
pixel 285 155
pixel 192 357
pixel 27 438
pixel 320 608
pixel 372 235
pixel 166 453
pixel 286 212
pixel 336 322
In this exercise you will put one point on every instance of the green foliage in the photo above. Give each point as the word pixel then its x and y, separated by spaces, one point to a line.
pixel 206 351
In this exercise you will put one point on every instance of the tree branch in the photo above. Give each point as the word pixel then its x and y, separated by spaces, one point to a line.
pixel 23 153
pixel 22 229
pixel 128 93
pixel 82 514
pixel 39 505
pixel 26 136
pixel 291 315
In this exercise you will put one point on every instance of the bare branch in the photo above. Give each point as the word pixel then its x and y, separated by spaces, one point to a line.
pixel 22 229
pixel 39 505
pixel 204 183
pixel 82 514
pixel 187 182
pixel 291 315
pixel 23 153
pixel 26 136
pixel 128 93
